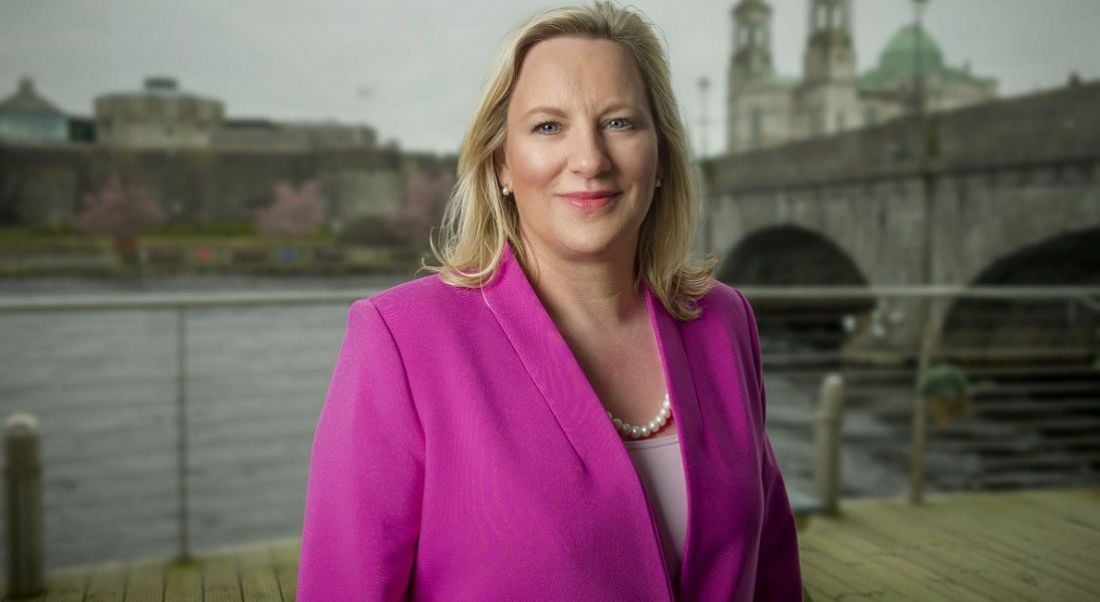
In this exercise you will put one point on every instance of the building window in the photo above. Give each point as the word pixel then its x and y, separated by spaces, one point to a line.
pixel 870 116
pixel 817 121
pixel 757 126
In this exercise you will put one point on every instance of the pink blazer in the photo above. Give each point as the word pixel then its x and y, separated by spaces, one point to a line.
pixel 462 454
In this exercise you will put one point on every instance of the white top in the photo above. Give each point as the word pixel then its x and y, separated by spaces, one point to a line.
pixel 659 464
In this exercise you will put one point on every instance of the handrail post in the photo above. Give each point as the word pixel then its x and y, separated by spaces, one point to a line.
pixel 932 315
pixel 23 484
pixel 181 434
pixel 827 435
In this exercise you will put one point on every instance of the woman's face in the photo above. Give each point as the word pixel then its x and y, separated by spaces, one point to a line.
pixel 580 153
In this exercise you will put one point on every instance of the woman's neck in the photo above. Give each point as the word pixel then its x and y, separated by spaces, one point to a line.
pixel 589 293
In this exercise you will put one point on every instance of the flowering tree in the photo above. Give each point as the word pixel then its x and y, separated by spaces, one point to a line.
pixel 294 212
pixel 121 212
pixel 425 197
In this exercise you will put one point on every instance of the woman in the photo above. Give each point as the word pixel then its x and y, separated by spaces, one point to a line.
pixel 503 430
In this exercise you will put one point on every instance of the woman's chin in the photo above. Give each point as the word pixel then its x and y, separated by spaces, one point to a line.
pixel 593 246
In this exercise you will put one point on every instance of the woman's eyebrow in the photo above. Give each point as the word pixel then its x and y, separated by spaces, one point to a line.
pixel 615 106
pixel 548 110
pixel 618 106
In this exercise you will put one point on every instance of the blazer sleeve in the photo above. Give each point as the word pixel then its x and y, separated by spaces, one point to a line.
pixel 778 573
pixel 366 473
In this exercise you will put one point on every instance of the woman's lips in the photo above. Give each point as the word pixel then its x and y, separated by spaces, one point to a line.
pixel 590 200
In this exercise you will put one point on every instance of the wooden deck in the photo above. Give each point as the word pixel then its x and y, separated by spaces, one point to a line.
pixel 1035 545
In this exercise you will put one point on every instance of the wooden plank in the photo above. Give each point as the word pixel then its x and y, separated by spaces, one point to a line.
pixel 946 550
pixel 1079 507
pixel 1065 546
pixel 1016 524
pixel 998 527
pixel 860 567
pixel 982 535
pixel 145 581
pixel 866 553
pixel 107 583
pixel 822 580
pixel 67 585
pixel 1027 545
pixel 183 582
pixel 258 580
pixel 810 593
pixel 220 579
pixel 285 554
pixel 1067 543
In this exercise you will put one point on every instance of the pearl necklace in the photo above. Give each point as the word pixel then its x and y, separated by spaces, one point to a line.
pixel 647 429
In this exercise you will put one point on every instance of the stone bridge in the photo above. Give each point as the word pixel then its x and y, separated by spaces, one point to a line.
pixel 1004 193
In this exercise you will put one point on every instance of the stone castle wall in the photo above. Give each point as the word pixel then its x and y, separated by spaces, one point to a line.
pixel 43 183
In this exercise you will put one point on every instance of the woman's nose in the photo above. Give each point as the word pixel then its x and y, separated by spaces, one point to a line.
pixel 588 156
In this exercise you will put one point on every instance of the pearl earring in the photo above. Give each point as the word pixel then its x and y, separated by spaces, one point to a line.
pixel 505 190
pixel 658 183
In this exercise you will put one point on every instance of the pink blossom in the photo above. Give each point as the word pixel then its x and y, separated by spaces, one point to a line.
pixel 294 212
pixel 119 211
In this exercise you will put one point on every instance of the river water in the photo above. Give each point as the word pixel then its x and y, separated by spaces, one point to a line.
pixel 105 388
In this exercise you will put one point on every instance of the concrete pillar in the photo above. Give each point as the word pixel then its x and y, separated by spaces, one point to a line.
pixel 23 487
pixel 827 439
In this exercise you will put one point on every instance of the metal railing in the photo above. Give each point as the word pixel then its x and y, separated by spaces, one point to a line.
pixel 190 416
pixel 171 410
pixel 1035 382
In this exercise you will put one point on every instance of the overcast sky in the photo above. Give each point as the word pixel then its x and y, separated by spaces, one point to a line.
pixel 412 69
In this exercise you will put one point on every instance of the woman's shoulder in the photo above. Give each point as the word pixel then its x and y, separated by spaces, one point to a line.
pixel 725 303
pixel 422 300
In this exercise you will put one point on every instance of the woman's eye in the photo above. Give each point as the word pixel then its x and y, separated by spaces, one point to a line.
pixel 547 127
pixel 619 123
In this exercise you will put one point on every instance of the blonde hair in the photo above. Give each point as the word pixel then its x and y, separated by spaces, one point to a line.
pixel 479 219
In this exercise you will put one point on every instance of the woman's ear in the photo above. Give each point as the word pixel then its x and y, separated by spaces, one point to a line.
pixel 500 162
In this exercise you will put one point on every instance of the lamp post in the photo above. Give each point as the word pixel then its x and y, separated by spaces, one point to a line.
pixel 704 87
pixel 708 236
pixel 930 310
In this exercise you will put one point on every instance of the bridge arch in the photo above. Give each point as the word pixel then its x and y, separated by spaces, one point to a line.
pixel 1071 258
pixel 787 254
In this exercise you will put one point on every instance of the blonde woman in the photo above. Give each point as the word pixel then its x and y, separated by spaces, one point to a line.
pixel 569 408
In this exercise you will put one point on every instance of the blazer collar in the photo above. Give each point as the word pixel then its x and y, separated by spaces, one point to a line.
pixel 566 389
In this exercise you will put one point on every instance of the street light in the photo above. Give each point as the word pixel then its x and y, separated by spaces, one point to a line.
pixel 704 86
pixel 919 6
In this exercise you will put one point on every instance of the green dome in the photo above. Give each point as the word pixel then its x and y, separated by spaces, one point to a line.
pixel 899 59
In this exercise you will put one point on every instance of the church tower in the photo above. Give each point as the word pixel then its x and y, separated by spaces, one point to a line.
pixel 830 56
pixel 828 100
pixel 753 111
pixel 752 45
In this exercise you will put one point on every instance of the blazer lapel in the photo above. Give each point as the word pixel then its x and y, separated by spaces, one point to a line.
pixel 566 389
pixel 689 425
pixel 550 362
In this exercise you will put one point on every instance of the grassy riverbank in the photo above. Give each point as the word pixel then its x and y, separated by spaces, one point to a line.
pixel 227 248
